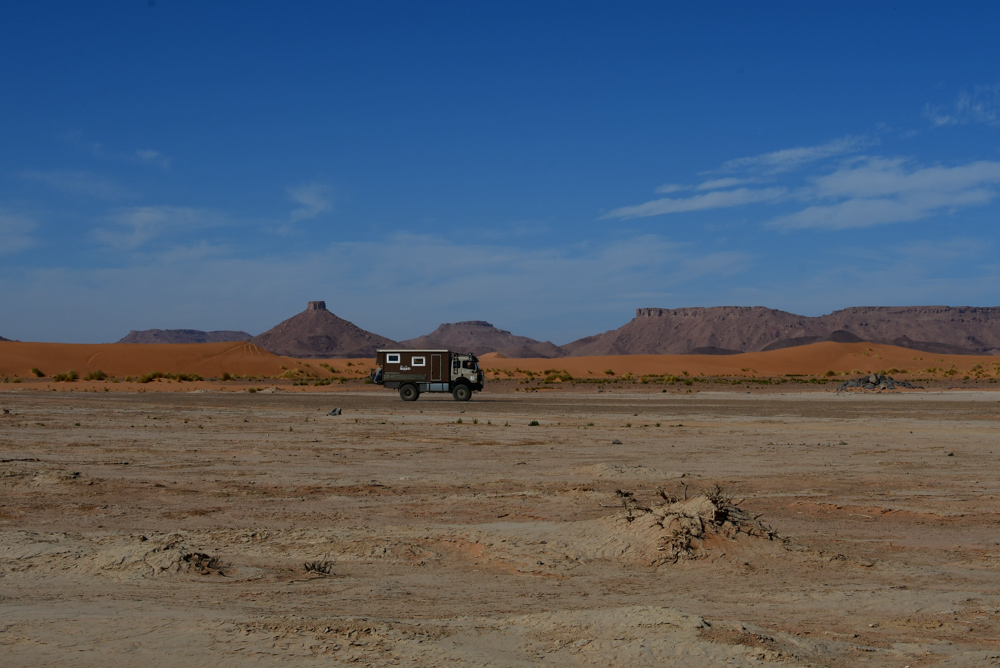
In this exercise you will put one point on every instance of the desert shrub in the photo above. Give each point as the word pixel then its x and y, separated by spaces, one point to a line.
pixel 226 376
pixel 37 373
pixel 609 372
pixel 533 423
pixel 96 375
pixel 67 377
pixel 320 567
pixel 830 372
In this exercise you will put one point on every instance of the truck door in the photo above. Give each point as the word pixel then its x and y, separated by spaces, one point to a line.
pixel 436 368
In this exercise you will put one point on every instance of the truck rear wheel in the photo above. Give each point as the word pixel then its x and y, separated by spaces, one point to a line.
pixel 409 392
pixel 462 393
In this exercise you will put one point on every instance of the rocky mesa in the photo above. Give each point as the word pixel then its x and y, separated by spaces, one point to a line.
pixel 480 337
pixel 183 336
pixel 731 329
pixel 318 333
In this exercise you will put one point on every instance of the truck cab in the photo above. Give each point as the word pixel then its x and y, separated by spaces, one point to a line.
pixel 413 372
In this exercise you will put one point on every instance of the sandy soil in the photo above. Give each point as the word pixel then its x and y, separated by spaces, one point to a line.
pixel 225 528
pixel 212 360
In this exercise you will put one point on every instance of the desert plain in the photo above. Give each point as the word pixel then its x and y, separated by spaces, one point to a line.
pixel 711 523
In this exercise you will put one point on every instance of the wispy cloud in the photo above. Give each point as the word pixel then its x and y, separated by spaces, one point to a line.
pixel 878 191
pixel 135 227
pixel 553 292
pixel 832 189
pixel 793 158
pixel 312 200
pixel 144 156
pixel 15 233
pixel 720 184
pixel 711 184
pixel 151 157
pixel 712 200
pixel 981 105
pixel 82 183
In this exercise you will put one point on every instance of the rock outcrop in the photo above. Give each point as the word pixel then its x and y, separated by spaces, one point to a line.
pixel 480 337
pixel 316 332
pixel 183 336
pixel 875 381
pixel 934 329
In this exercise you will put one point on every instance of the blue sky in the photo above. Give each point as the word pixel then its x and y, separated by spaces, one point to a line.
pixel 548 167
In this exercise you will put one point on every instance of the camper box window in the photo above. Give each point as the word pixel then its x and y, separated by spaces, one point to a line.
pixel 419 361
pixel 392 358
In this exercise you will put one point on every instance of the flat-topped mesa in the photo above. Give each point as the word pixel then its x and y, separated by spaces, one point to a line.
pixel 316 306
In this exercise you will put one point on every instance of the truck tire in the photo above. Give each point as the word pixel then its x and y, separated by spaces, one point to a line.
pixel 462 393
pixel 409 392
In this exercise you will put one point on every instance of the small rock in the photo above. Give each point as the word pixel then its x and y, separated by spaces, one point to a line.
pixel 335 411
pixel 616 442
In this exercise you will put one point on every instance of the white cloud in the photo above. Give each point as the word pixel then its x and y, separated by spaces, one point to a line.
pixel 879 190
pixel 712 200
pixel 137 226
pixel 668 188
pixel 312 199
pixel 77 183
pixel 151 157
pixel 982 105
pixel 15 233
pixel 720 184
pixel 792 158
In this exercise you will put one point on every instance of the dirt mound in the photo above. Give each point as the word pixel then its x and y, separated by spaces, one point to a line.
pixel 633 535
pixel 317 333
pixel 117 556
pixel 679 529
pixel 480 337
pixel 183 336
pixel 160 555
pixel 935 329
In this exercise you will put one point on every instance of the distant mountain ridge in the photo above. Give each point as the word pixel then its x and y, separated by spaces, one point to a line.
pixel 316 332
pixel 183 336
pixel 719 330
pixel 941 329
pixel 480 337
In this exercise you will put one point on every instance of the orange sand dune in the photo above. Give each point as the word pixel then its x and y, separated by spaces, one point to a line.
pixel 245 359
pixel 132 359
pixel 815 360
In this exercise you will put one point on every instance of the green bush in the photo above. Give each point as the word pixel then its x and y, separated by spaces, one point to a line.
pixel 67 377
pixel 37 373
pixel 96 375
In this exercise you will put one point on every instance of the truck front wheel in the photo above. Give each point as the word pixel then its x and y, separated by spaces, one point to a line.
pixel 409 392
pixel 462 393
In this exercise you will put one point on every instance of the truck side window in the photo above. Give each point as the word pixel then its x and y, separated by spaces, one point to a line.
pixel 392 358
pixel 419 361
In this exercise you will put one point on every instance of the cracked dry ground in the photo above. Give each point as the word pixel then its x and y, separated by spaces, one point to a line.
pixel 238 529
